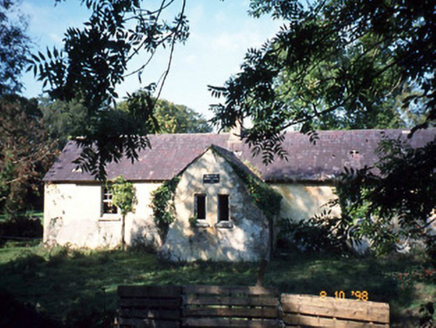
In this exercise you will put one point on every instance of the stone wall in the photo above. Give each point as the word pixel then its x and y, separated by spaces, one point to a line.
pixel 245 237
pixel 73 216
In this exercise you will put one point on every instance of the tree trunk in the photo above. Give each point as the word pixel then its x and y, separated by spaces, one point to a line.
pixel 261 273
pixel 123 232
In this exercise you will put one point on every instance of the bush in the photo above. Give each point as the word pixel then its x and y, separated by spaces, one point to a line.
pixel 318 234
pixel 20 227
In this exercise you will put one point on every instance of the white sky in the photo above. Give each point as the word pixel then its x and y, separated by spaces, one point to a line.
pixel 220 34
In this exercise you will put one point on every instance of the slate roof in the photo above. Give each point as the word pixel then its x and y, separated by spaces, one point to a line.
pixel 171 153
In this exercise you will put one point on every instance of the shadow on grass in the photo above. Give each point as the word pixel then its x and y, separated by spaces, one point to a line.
pixel 78 288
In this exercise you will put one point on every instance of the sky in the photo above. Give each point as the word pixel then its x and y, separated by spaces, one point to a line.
pixel 220 34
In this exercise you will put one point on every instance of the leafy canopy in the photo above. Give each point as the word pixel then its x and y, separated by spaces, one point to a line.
pixel 26 153
pixel 94 60
pixel 172 118
pixel 348 64
pixel 123 195
pixel 333 64
pixel 14 46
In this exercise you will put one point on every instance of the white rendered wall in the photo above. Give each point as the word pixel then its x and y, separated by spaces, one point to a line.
pixel 246 240
pixel 73 215
pixel 303 201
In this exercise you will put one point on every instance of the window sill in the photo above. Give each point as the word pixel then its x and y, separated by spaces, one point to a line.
pixel 224 225
pixel 109 218
pixel 202 224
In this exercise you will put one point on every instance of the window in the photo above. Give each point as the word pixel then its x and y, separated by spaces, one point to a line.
pixel 108 206
pixel 200 207
pixel 223 208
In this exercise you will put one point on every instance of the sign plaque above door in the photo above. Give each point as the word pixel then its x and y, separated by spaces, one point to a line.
pixel 211 178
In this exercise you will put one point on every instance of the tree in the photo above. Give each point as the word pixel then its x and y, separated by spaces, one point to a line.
pixel 124 198
pixel 94 61
pixel 333 64
pixel 401 191
pixel 172 118
pixel 25 152
pixel 347 64
pixel 62 119
pixel 14 46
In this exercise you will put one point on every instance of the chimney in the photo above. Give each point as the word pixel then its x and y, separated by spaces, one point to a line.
pixel 235 133
pixel 235 138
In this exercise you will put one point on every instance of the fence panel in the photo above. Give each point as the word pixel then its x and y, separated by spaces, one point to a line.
pixel 149 306
pixel 215 306
pixel 314 311
pixel 244 307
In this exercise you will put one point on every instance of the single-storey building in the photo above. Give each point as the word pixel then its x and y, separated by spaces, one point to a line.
pixel 218 214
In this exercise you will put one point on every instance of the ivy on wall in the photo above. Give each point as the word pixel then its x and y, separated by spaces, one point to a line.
pixel 267 199
pixel 163 205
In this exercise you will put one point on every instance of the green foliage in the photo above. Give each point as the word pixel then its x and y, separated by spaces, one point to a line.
pixel 124 195
pixel 62 119
pixel 26 153
pixel 333 64
pixel 94 61
pixel 266 198
pixel 20 227
pixel 193 221
pixel 347 64
pixel 171 118
pixel 163 205
pixel 399 188
pixel 91 277
pixel 174 118
pixel 426 312
pixel 319 234
pixel 14 46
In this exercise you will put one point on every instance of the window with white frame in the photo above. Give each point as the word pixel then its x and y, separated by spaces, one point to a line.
pixel 107 206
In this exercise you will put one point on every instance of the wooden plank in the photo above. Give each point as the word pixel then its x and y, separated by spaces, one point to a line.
pixel 149 291
pixel 150 314
pixel 338 308
pixel 228 290
pixel 231 312
pixel 291 297
pixel 142 323
pixel 196 299
pixel 292 320
pixel 150 303
pixel 223 322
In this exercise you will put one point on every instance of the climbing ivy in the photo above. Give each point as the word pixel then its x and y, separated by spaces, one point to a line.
pixel 163 205
pixel 266 198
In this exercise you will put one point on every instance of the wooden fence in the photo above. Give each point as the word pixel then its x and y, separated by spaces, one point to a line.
pixel 245 307
pixel 313 311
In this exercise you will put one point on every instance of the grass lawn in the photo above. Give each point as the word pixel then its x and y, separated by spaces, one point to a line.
pixel 76 287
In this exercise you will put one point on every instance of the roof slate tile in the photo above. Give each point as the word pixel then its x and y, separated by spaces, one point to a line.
pixel 171 153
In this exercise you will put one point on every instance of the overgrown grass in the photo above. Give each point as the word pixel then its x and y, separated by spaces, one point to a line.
pixel 78 288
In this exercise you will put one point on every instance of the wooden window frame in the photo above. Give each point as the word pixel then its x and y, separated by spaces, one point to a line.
pixel 107 208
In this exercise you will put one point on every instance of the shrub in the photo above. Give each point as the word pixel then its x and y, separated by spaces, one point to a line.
pixel 318 234
pixel 20 227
